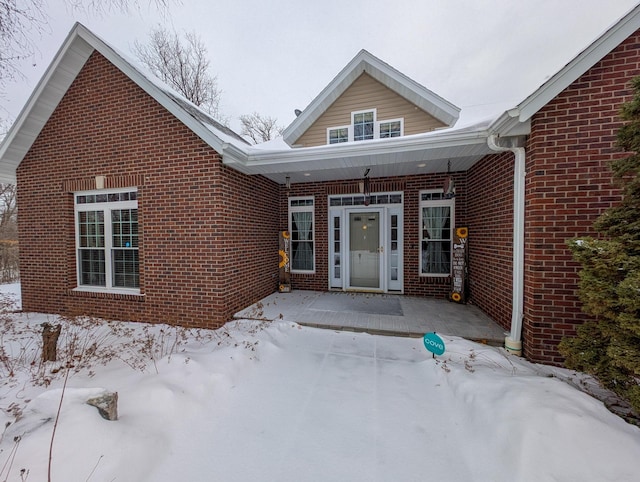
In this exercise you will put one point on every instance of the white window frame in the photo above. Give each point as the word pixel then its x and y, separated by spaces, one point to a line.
pixel 435 203
pixel 389 121
pixel 349 134
pixel 106 208
pixel 305 208
pixel 376 127
pixel 366 111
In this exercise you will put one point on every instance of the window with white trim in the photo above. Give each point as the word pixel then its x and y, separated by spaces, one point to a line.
pixel 436 225
pixel 365 126
pixel 107 240
pixel 338 134
pixel 391 128
pixel 301 229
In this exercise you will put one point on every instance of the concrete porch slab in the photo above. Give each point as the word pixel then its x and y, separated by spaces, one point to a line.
pixel 395 315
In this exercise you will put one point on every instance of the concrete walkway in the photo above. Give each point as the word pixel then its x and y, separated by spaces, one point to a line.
pixel 394 315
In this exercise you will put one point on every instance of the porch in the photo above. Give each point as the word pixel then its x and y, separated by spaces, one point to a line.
pixel 382 314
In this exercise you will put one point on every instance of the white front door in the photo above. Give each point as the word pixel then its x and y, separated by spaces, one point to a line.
pixel 365 250
pixel 366 243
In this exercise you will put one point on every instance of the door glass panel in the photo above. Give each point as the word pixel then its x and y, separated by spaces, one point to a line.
pixel 364 255
pixel 393 254
pixel 336 247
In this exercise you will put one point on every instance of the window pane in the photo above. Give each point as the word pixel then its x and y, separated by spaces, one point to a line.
pixel 92 267
pixel 436 240
pixel 91 224
pixel 124 224
pixel 125 268
pixel 302 240
pixel 390 129
pixel 338 135
pixel 363 126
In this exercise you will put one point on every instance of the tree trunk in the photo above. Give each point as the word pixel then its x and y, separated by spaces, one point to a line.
pixel 50 334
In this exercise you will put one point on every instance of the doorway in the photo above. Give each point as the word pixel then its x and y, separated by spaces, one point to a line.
pixel 366 243
pixel 365 250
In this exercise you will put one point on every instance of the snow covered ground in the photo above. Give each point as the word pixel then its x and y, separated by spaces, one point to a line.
pixel 281 402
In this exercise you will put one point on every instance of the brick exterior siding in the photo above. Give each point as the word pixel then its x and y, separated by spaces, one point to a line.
pixel 568 185
pixel 414 284
pixel 209 233
pixel 490 215
pixel 198 263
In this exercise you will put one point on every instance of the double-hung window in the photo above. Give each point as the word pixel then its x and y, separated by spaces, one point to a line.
pixel 107 240
pixel 301 229
pixel 436 223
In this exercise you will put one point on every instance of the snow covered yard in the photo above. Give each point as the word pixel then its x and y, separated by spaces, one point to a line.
pixel 281 402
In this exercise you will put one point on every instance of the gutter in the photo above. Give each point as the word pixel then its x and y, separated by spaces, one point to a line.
pixel 513 342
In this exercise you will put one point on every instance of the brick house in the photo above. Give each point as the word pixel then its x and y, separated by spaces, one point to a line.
pixel 135 205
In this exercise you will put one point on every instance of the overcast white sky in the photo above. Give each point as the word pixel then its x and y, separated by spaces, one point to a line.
pixel 275 56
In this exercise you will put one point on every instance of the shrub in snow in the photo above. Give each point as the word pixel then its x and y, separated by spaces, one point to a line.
pixel 609 345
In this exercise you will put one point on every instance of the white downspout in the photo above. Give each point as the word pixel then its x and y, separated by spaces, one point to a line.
pixel 513 342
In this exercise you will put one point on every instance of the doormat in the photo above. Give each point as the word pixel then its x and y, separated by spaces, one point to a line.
pixel 360 303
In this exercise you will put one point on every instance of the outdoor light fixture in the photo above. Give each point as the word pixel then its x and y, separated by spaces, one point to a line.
pixel 449 184
pixel 287 182
pixel 365 187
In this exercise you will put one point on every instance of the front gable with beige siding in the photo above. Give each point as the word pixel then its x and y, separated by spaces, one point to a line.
pixel 367 84
pixel 366 94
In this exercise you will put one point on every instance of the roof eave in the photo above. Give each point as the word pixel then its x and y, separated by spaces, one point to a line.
pixel 580 64
pixel 67 63
pixel 336 156
pixel 383 73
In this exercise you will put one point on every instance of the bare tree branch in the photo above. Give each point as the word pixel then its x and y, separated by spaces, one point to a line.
pixel 183 65
pixel 260 128
pixel 22 21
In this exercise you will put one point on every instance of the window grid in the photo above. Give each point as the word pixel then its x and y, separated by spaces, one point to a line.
pixel 338 135
pixel 301 228
pixel 436 221
pixel 363 125
pixel 359 200
pixel 390 129
pixel 107 240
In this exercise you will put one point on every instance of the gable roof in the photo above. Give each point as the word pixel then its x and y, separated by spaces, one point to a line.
pixel 415 93
pixel 463 145
pixel 580 64
pixel 67 63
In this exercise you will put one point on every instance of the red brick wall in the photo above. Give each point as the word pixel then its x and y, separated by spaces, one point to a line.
pixel 414 284
pixel 490 245
pixel 568 186
pixel 195 262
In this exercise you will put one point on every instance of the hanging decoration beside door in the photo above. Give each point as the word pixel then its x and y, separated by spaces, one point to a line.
pixel 284 264
pixel 459 265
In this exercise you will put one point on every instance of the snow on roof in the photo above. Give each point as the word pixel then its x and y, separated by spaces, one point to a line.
pixel 470 125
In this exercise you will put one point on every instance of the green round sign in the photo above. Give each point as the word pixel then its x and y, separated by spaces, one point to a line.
pixel 433 343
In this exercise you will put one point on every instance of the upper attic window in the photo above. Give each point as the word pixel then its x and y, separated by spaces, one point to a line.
pixel 364 126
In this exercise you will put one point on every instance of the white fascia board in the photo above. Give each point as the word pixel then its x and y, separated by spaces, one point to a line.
pixel 337 155
pixel 155 92
pixel 324 99
pixel 60 74
pixel 67 63
pixel 411 90
pixel 586 59
pixel 387 76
